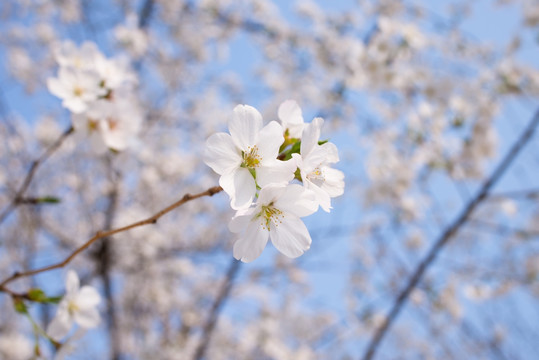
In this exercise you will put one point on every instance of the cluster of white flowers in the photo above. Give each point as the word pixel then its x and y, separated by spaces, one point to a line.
pixel 99 93
pixel 257 165
pixel 79 305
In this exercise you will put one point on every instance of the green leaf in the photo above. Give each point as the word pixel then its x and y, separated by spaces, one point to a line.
pixel 322 142
pixel 48 200
pixel 20 306
pixel 37 295
pixel 295 149
pixel 54 299
pixel 297 175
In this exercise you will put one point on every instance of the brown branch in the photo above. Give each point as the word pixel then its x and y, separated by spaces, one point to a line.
pixel 103 234
pixel 104 259
pixel 18 198
pixel 502 229
pixel 447 235
pixel 522 194
pixel 216 308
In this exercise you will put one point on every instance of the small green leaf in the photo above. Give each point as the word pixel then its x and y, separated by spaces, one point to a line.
pixel 297 175
pixel 295 149
pixel 48 200
pixel 54 299
pixel 20 306
pixel 322 142
pixel 37 295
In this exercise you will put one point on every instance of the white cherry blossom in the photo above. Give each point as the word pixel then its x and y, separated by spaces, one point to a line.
pixel 276 215
pixel 313 163
pixel 291 118
pixel 76 88
pixel 248 156
pixel 79 305
pixel 108 125
pixel 68 54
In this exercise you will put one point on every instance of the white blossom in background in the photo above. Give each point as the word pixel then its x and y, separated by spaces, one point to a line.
pixel 248 156
pixel 131 37
pixel 99 93
pixel 77 89
pixel 79 305
pixel 108 125
pixel 276 215
pixel 68 55
pixel 15 346
pixel 313 163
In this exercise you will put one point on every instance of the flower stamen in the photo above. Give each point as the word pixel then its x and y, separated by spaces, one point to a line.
pixel 268 215
pixel 251 159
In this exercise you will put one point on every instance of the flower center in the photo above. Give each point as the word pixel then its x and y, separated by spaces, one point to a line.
pixel 92 125
pixel 251 159
pixel 268 215
pixel 72 307
pixel 316 176
pixel 77 91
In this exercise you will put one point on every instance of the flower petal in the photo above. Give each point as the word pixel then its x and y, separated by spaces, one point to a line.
pixel 310 137
pixel 270 139
pixel 276 172
pixel 241 220
pixel 88 297
pixel 322 197
pixel 252 243
pixel 270 193
pixel 291 237
pixel 72 283
pixel 321 154
pixel 297 201
pixel 61 324
pixel 334 181
pixel 244 126
pixel 221 154
pixel 87 318
pixel 240 186
pixel 56 87
pixel 291 117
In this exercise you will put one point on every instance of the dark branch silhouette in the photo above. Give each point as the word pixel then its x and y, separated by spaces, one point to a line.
pixel 18 198
pixel 216 308
pixel 448 234
pixel 104 234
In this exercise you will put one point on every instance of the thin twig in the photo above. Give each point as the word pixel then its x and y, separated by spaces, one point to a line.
pixel 216 308
pixel 103 234
pixel 525 194
pixel 18 198
pixel 502 229
pixel 448 234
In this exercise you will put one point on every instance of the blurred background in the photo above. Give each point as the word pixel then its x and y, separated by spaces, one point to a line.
pixel 431 253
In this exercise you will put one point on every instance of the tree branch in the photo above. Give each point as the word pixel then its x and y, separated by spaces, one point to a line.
pixel 103 234
pixel 447 235
pixel 18 198
pixel 216 308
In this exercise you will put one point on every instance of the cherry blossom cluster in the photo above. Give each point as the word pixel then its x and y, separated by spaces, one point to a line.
pixel 98 92
pixel 274 175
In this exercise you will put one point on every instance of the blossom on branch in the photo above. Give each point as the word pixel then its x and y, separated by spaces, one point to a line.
pixel 248 156
pixel 79 305
pixel 260 162
pixel 276 215
pixel 313 163
pixel 99 93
